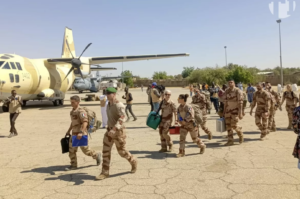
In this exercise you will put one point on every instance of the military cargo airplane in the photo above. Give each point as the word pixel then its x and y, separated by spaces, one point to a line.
pixel 50 78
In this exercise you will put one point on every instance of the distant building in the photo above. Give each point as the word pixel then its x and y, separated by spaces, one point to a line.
pixel 266 73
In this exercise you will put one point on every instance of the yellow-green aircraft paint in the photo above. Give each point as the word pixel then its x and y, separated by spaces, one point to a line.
pixel 44 79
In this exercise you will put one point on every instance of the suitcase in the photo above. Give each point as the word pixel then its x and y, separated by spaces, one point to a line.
pixel 153 120
pixel 174 130
pixel 65 144
pixel 220 125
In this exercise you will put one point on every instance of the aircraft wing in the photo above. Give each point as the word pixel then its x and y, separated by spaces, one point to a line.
pixel 99 68
pixel 113 59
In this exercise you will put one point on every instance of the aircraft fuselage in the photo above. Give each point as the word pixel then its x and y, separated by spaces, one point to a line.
pixel 33 78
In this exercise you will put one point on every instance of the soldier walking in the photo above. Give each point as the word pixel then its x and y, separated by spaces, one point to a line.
pixel 275 104
pixel 201 100
pixel 233 111
pixel 262 99
pixel 128 97
pixel 79 122
pixel 187 122
pixel 15 108
pixel 115 134
pixel 291 103
pixel 168 108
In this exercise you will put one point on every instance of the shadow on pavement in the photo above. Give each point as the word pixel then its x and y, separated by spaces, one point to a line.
pixel 52 169
pixel 141 127
pixel 77 178
pixel 3 136
pixel 251 132
pixel 154 154
pixel 284 129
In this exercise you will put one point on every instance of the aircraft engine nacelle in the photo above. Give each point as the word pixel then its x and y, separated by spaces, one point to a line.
pixel 85 69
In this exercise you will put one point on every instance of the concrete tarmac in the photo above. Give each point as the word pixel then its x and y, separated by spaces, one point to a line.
pixel 32 164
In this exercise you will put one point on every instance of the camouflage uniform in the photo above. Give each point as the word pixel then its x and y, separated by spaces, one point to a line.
pixel 187 114
pixel 201 101
pixel 78 117
pixel 168 108
pixel 115 115
pixel 291 103
pixel 275 102
pixel 233 99
pixel 262 99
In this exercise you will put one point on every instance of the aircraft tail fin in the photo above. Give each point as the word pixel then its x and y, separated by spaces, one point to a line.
pixel 65 51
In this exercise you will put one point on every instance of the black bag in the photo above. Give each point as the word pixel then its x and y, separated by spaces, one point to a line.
pixel 65 144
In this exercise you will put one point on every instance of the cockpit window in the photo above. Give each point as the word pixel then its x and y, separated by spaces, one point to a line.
pixel 6 66
pixel 19 66
pixel 12 64
pixel 1 62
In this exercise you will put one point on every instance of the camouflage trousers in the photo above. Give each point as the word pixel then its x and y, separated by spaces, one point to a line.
pixel 271 120
pixel 261 121
pixel 231 121
pixel 85 149
pixel 120 140
pixel 203 124
pixel 165 138
pixel 290 109
pixel 189 127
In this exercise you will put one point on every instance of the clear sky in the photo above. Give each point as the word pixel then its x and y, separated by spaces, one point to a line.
pixel 34 29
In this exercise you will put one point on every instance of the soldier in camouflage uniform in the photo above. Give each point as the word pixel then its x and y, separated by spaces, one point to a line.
pixel 187 122
pixel 275 103
pixel 291 103
pixel 78 127
pixel 168 108
pixel 201 100
pixel 262 99
pixel 233 111
pixel 115 134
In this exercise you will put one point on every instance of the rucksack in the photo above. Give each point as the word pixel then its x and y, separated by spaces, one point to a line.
pixel 92 119
pixel 160 88
pixel 207 96
pixel 197 114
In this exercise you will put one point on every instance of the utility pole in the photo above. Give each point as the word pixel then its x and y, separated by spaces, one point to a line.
pixel 225 55
pixel 279 21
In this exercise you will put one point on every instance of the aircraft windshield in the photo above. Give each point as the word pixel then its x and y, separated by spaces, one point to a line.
pixel 1 63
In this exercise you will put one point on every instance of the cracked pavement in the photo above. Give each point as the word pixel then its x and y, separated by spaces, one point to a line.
pixel 32 165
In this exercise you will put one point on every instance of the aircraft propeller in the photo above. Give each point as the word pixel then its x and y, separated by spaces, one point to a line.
pixel 76 62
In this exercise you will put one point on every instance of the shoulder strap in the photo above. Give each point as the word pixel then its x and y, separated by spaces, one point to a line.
pixel 162 101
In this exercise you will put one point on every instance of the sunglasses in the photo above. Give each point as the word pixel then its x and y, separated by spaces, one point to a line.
pixel 167 94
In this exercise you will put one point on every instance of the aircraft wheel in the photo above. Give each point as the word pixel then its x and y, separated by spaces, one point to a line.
pixel 55 103
pixel 61 102
pixel 80 91
pixel 24 103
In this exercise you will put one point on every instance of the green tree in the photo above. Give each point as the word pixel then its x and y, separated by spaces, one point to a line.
pixel 240 74
pixel 187 71
pixel 160 75
pixel 170 77
pixel 127 80
pixel 208 75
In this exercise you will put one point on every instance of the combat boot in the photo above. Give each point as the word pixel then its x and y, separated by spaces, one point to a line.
pixel 128 118
pixel 241 139
pixel 170 148
pixel 209 135
pixel 70 168
pixel 180 154
pixel 134 167
pixel 202 149
pixel 290 125
pixel 273 129
pixel 229 143
pixel 102 176
pixel 163 150
pixel 135 119
pixel 98 159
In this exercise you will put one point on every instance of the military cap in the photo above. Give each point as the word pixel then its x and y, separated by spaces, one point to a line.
pixel 111 90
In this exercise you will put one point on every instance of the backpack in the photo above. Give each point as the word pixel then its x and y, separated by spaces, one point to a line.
pixel 207 96
pixel 160 88
pixel 292 92
pixel 197 114
pixel 92 120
